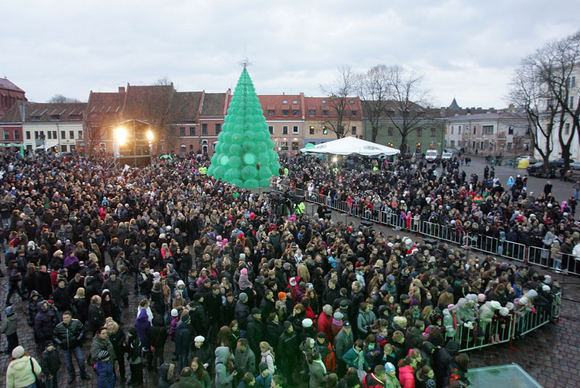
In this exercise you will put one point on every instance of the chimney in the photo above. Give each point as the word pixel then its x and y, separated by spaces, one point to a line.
pixel 23 111
pixel 121 90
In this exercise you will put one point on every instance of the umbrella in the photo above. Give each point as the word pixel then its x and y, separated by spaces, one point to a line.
pixel 309 146
pixel 166 157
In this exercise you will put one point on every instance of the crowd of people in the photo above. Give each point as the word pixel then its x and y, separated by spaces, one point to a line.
pixel 480 205
pixel 231 294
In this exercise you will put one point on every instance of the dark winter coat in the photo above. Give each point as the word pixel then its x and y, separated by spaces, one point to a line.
pixel 95 318
pixel 68 336
pixel 50 362
pixel 183 338
pixel 44 324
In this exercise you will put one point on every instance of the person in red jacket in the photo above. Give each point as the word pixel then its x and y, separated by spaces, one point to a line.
pixel 376 379
pixel 325 322
pixel 407 372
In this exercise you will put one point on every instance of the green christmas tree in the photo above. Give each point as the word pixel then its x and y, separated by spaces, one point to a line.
pixel 245 153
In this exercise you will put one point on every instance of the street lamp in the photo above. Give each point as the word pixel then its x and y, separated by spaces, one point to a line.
pixel 149 135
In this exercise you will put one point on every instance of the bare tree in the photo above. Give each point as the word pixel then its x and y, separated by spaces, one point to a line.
pixel 164 81
pixel 542 86
pixel 374 89
pixel 338 101
pixel 558 61
pixel 406 111
pixel 60 99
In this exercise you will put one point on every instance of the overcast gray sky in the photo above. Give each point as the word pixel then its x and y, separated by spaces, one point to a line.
pixel 464 49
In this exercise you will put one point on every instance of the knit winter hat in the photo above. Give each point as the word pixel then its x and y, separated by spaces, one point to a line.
pixel 327 309
pixel 338 316
pixel 282 295
pixel 389 367
pixel 18 352
pixel 243 296
pixel 307 322
pixel 199 338
pixel 174 312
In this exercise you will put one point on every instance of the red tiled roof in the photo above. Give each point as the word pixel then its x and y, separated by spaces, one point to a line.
pixel 46 112
pixel 280 103
pixel 6 84
pixel 184 107
pixel 213 104
pixel 320 104
pixel 150 103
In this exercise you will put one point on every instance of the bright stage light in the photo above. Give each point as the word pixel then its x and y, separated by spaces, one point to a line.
pixel 120 136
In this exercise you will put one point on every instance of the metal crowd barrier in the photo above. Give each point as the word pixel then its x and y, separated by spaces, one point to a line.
pixel 512 327
pixel 513 250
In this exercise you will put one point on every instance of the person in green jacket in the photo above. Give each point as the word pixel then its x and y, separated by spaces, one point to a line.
pixel 22 369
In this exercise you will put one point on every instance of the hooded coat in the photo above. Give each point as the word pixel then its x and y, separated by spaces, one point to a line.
pixel 19 372
pixel 143 325
pixel 223 377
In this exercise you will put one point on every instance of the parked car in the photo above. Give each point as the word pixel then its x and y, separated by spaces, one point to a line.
pixel 530 158
pixel 431 155
pixel 446 156
pixel 575 165
pixel 538 169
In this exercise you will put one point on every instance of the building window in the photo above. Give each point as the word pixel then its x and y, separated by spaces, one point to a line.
pixel 6 134
pixel 71 134
pixel 419 132
pixel 324 101
pixel 284 146
pixel 285 130
pixel 36 135
pixel 191 131
pixel 311 112
pixel 295 112
pixel 452 129
pixel 54 134
pixel 204 129
pixel 487 129
pixel 271 112
pixel 573 81
pixel 351 102
pixel 474 130
pixel 63 148
pixel 567 129
pixel 459 130
pixel 571 102
pixel 325 113
pixel 72 148
pixel 271 129
pixel 353 130
pixel 481 146
pixel 509 146
pixel 433 132
pixel 354 112
pixel 63 135
pixel 285 102
pixel 16 135
pixel 181 131
pixel 294 146
pixel 80 134
pixel 390 131
pixel 452 144
pixel 295 102
pixel 295 130
pixel 218 128
pixel 285 112
pixel 312 130
pixel 49 135
pixel 27 135
pixel 510 130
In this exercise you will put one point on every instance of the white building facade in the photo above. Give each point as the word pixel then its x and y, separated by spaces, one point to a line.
pixel 495 133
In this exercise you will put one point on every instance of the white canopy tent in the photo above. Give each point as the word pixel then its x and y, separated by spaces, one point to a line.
pixel 351 145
